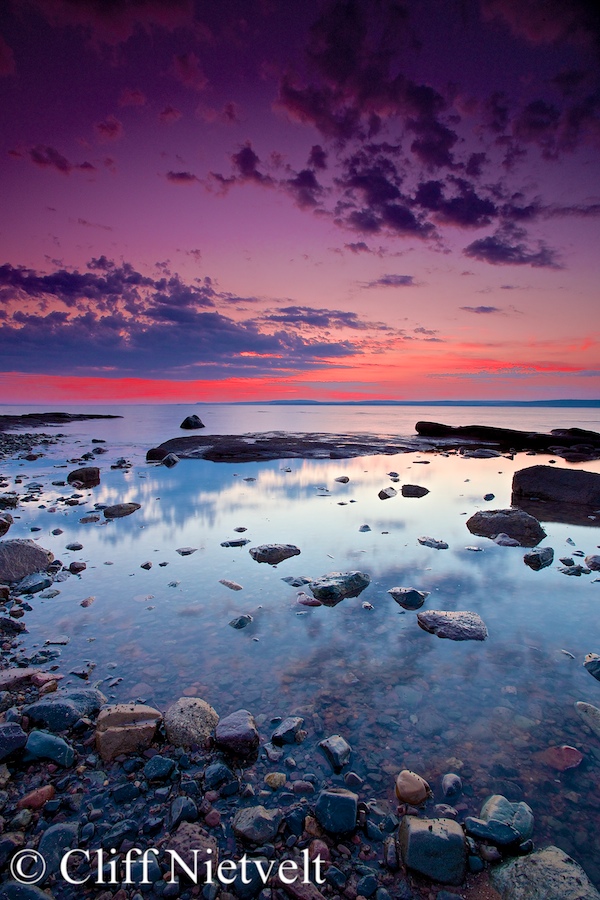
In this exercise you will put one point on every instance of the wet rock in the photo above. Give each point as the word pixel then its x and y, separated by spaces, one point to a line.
pixel 461 625
pixel 556 485
pixel 6 520
pixel 42 745
pixel 12 738
pixel 287 731
pixel 434 543
pixel 387 493
pixel 338 751
pixel 183 809
pixel 411 788
pixel 275 780
pixel 14 890
pixel 238 733
pixel 232 585
pixel 501 822
pixel 241 621
pixel 414 490
pixel 592 664
pixel 561 758
pixel 504 540
pixel 488 497
pixel 125 728
pixel 55 842
pixel 516 523
pixel 335 586
pixel 13 678
pixel 186 551
pixel 273 553
pixel 408 598
pixel 217 776
pixel 236 542
pixel 342 479
pixel 539 558
pixel 159 768
pixel 590 715
pixel 191 422
pixel 593 562
pixel 547 874
pixel 451 785
pixel 364 528
pixel 76 567
pixel 86 477
pixel 60 711
pixel 33 584
pixel 257 824
pixel 434 848
pixel 120 509
pixel 170 460
pixel 336 810
pixel 195 846
pixel 21 557
pixel 190 721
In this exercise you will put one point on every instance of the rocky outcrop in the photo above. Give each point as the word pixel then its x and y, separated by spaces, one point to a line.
pixel 516 523
pixel 461 625
pixel 571 443
pixel 547 874
pixel 21 557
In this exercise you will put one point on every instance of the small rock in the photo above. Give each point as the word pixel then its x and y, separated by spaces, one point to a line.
pixel 257 824
pixel 238 733
pixel 334 587
pixel 287 731
pixel 411 788
pixel 516 523
pixel 42 745
pixel 414 490
pixel 387 493
pixel 539 558
pixel 191 422
pixel 336 810
pixel 273 553
pixel 433 543
pixel 186 551
pixel 460 625
pixel 337 750
pixel 125 728
pixel 451 785
pixel 241 621
pixel 434 848
pixel 232 585
pixel 408 598
pixel 119 510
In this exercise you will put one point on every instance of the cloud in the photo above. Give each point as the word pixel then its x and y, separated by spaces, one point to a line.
pixel 7 59
pixel 298 316
pixel 50 158
pixel 228 115
pixel 317 158
pixel 168 115
pixel 358 247
pixel 187 70
pixel 245 165
pixel 466 209
pixel 87 224
pixel 305 189
pixel 132 97
pixel 482 310
pixel 548 21
pixel 391 281
pixel 508 247
pixel 183 178
pixel 110 129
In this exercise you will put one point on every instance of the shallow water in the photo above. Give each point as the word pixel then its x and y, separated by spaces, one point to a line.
pixel 400 696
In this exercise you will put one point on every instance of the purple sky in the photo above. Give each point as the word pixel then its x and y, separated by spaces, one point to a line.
pixel 248 200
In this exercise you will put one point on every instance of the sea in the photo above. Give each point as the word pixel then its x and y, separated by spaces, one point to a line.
pixel 489 711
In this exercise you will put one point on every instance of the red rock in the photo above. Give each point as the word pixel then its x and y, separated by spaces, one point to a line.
pixel 36 799
pixel 42 678
pixel 319 848
pixel 561 758
pixel 213 818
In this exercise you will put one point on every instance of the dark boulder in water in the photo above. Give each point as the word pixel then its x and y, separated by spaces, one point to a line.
pixel 191 422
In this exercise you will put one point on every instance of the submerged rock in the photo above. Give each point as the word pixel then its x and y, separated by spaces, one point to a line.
pixel 60 711
pixel 387 493
pixel 561 758
pixel 462 625
pixel 408 598
pixel 241 621
pixel 257 824
pixel 21 557
pixel 590 715
pixel 516 523
pixel 288 730
pixel 273 553
pixel 547 874
pixel 335 586
pixel 190 721
pixel 433 847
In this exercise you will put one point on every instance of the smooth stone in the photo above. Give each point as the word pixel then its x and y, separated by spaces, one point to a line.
pixel 516 523
pixel 414 490
pixel 593 562
pixel 336 810
pixel 170 460
pixel 434 848
pixel 547 874
pixel 257 824
pixel 451 785
pixel 518 815
pixel 238 733
pixel 218 774
pixel 498 833
pixel 556 485
pixel 539 558
pixel 408 598
pixel 33 584
pixel 183 809
pixel 411 788
pixel 592 664
pixel 338 751
pixel 12 738
pixel 273 553
pixel 241 621
pixel 190 721
pixel 65 707
pixel 87 477
pixel 125 728
pixel 460 625
pixel 120 509
pixel 22 557
pixel 286 731
pixel 191 422
pixel 42 745
pixel 335 586
pixel 55 842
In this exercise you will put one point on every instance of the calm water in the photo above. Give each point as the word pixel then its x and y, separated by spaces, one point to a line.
pixel 401 697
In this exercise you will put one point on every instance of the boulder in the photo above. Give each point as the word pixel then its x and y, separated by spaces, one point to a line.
pixel 60 711
pixel 516 523
pixel 414 490
pixel 271 553
pixel 21 557
pixel 335 586
pixel 32 584
pixel 87 477
pixel 189 722
pixel 336 810
pixel 191 422
pixel 120 509
pixel 433 847
pixel 518 815
pixel 547 874
pixel 462 625
pixel 6 520
pixel 125 728
pixel 556 485
pixel 238 733
pixel 539 558
pixel 408 598
pixel 257 824
pixel 593 562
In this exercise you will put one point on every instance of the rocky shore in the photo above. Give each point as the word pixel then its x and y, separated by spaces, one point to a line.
pixel 268 794
pixel 11 444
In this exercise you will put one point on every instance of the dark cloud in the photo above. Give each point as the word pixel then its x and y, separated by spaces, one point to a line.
pixel 358 247
pixel 245 166
pixel 110 129
pixel 508 246
pixel 228 115
pixel 319 318
pixel 183 178
pixel 317 158
pixel 305 188
pixel 475 164
pixel 549 21
pixel 481 310
pixel 187 70
pixel 391 281
pixel 50 158
pixel 132 97
pixel 434 142
pixel 496 112
pixel 465 209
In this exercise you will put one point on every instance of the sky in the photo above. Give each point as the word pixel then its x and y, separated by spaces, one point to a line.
pixel 330 200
